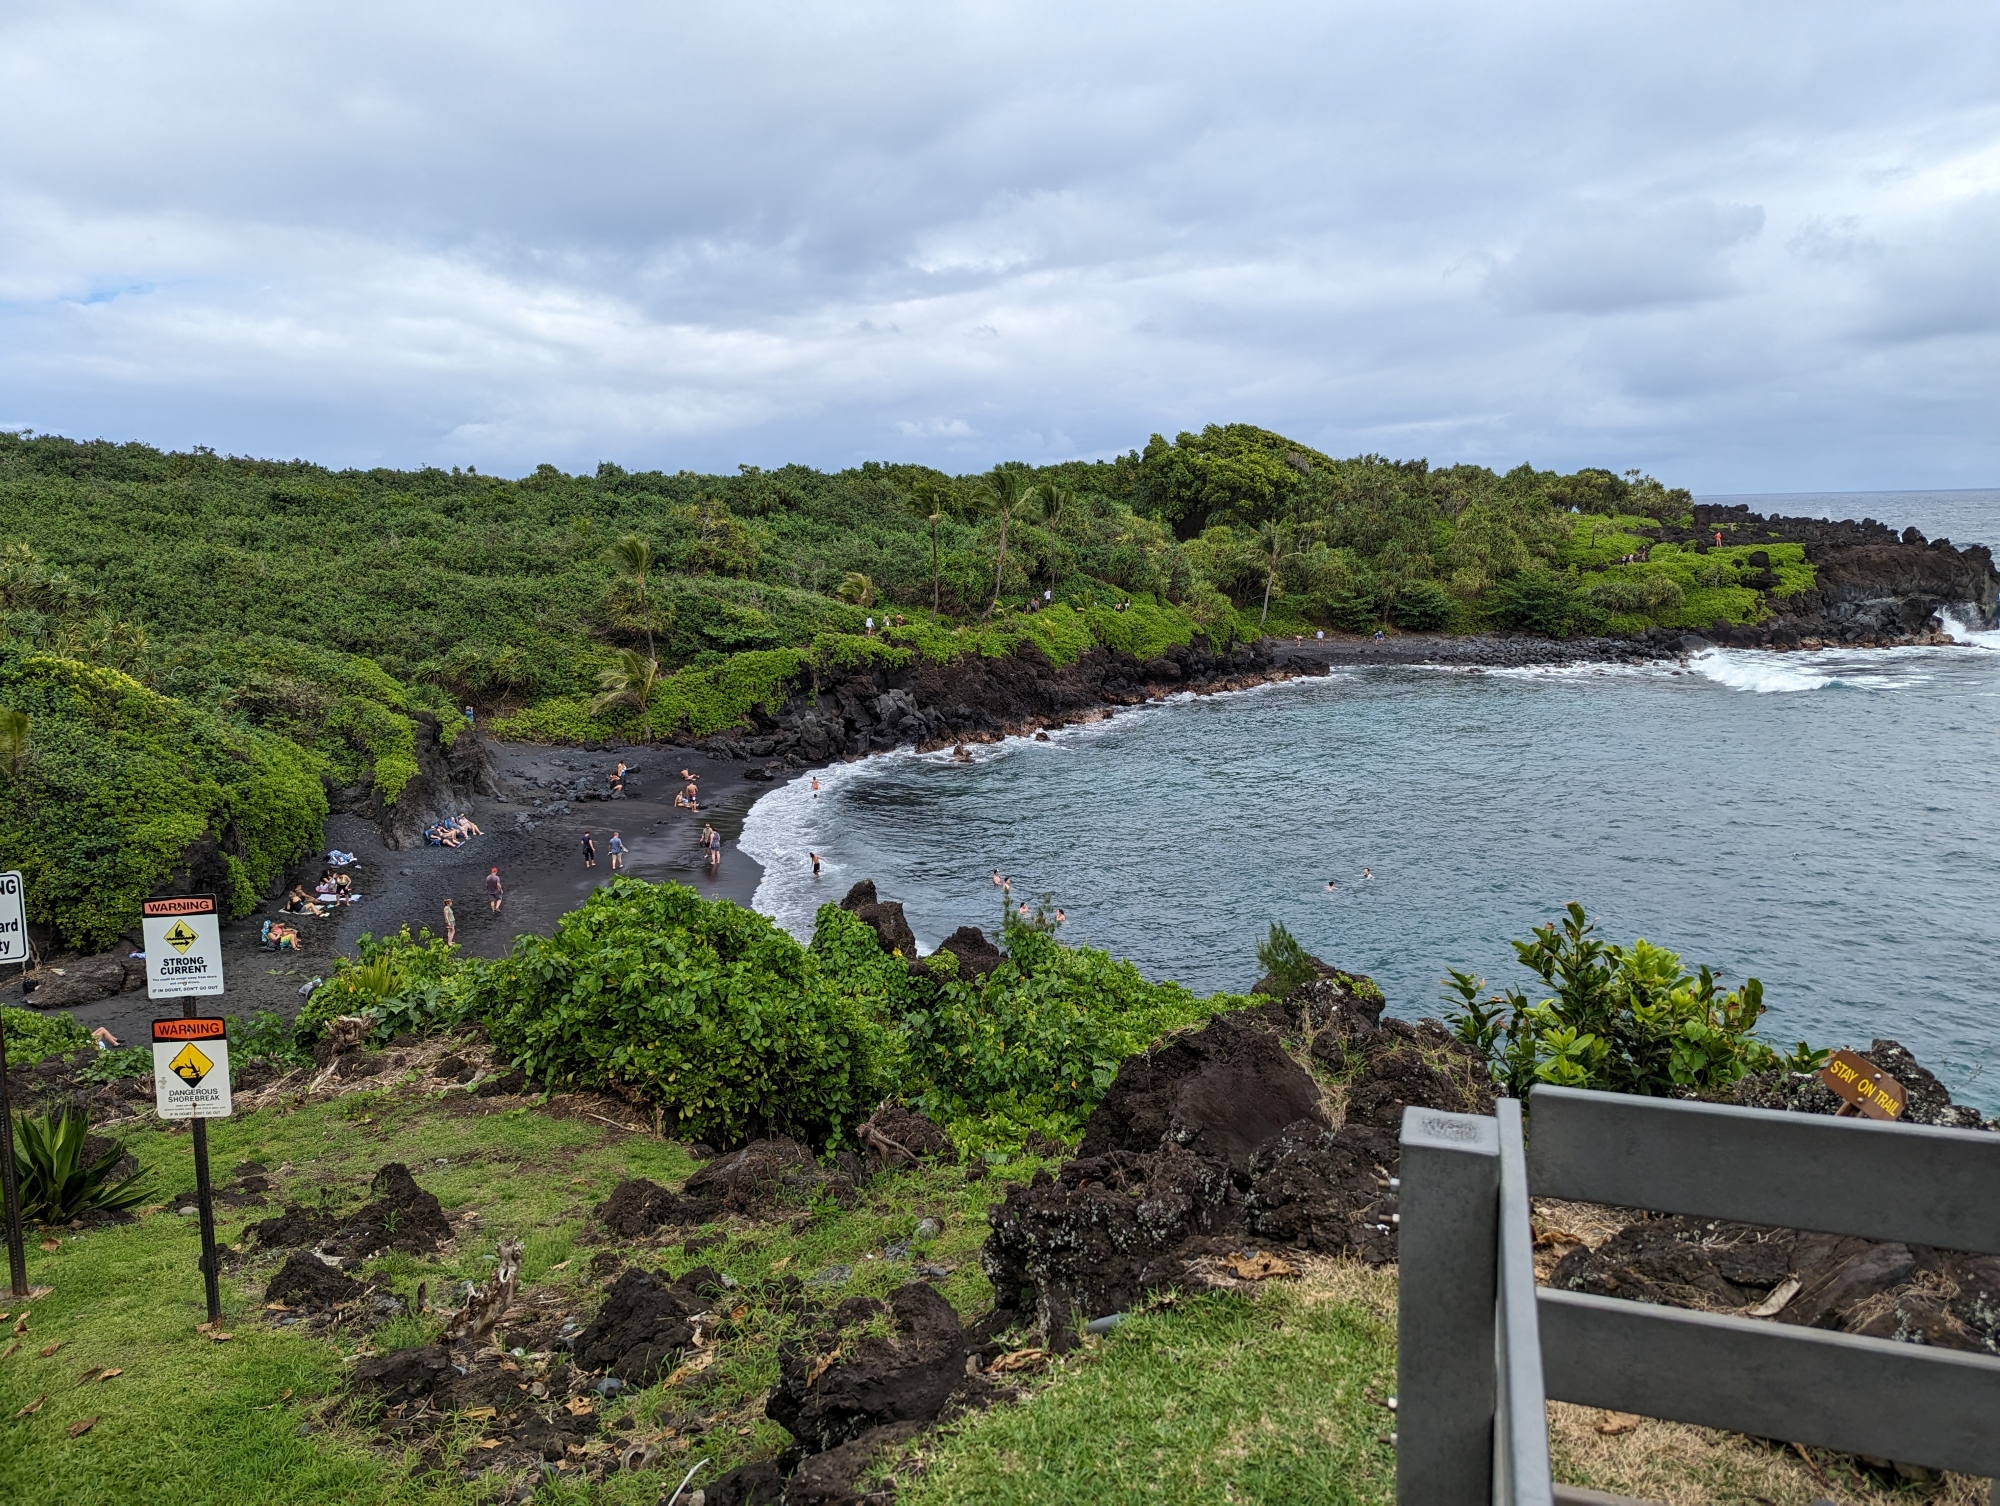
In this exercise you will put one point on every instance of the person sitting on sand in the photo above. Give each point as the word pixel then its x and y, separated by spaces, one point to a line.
pixel 298 902
pixel 467 828
pixel 279 937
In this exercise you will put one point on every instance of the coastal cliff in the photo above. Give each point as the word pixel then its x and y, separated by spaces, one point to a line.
pixel 1871 584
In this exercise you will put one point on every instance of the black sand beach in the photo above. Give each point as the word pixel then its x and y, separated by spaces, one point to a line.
pixel 533 834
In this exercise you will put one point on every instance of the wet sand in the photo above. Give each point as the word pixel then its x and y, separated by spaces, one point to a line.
pixel 533 834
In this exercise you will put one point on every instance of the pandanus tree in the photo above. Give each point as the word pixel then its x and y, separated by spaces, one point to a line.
pixel 857 589
pixel 629 682
pixel 1006 487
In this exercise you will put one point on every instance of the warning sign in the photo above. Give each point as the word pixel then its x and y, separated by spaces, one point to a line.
pixel 183 946
pixel 13 918
pixel 191 1068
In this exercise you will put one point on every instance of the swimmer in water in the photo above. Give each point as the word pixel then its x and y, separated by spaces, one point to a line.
pixel 815 857
pixel 997 881
pixel 1331 886
pixel 1365 873
pixel 815 787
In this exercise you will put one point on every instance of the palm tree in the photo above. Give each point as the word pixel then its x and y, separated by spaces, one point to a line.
pixel 635 563
pixel 928 491
pixel 1057 503
pixel 13 741
pixel 1007 487
pixel 1276 540
pixel 857 588
pixel 629 682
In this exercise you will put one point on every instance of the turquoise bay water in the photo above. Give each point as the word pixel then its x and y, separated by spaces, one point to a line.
pixel 1824 822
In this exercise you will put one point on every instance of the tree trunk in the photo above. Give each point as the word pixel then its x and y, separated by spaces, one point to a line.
pixel 1000 565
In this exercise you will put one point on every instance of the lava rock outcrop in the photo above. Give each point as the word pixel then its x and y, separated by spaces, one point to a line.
pixel 1218 1137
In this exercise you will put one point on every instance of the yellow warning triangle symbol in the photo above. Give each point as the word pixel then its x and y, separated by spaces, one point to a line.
pixel 180 936
pixel 190 1065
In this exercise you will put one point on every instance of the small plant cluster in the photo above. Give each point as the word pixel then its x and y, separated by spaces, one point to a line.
pixel 58 1176
pixel 1620 1019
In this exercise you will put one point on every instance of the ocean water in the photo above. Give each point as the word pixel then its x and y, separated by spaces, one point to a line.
pixel 1824 822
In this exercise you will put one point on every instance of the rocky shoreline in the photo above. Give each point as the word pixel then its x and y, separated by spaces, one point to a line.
pixel 1875 588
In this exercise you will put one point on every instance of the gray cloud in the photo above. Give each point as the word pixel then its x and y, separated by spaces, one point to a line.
pixel 1747 247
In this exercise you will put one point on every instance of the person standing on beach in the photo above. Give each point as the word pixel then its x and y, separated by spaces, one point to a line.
pixel 589 851
pixel 495 890
pixel 617 850
pixel 450 925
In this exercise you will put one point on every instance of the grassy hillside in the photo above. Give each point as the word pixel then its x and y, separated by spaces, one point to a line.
pixel 327 609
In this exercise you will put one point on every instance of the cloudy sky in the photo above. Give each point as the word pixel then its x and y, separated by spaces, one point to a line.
pixel 1749 247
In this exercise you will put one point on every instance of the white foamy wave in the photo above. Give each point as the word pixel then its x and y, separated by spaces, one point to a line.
pixel 1763 672
pixel 1962 625
pixel 782 832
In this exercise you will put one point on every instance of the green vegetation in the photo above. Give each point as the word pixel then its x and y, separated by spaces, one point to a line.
pixel 34 1036
pixel 713 1015
pixel 1623 1020
pixel 59 1178
pixel 261 628
pixel 1276 1397
pixel 1287 965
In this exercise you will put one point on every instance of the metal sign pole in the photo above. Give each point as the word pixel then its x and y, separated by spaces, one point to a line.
pixel 204 1199
pixel 17 1254
pixel 14 947
pixel 184 960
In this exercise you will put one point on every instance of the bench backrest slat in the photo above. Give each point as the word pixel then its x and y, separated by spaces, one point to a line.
pixel 1937 1407
pixel 1904 1182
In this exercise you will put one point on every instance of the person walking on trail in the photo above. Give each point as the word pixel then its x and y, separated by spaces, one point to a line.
pixel 450 925
pixel 617 850
pixel 495 890
pixel 589 851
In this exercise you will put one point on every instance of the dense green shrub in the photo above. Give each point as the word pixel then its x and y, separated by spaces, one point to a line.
pixel 1422 607
pixel 702 1008
pixel 1534 601
pixel 122 782
pixel 1032 1046
pixel 33 1036
pixel 1626 1020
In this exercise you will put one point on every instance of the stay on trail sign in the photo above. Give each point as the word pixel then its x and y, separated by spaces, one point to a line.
pixel 183 946
pixel 191 1068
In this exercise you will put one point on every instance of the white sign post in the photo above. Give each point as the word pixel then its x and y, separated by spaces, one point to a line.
pixel 13 918
pixel 191 1069
pixel 183 946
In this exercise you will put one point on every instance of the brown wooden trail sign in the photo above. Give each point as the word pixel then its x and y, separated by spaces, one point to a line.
pixel 1864 1085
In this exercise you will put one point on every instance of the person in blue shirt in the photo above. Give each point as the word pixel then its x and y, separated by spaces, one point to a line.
pixel 617 849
